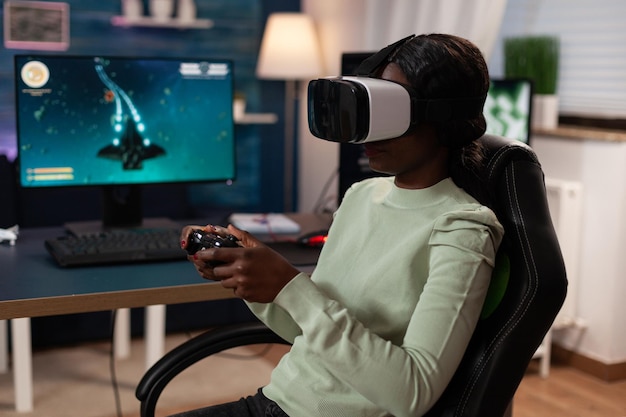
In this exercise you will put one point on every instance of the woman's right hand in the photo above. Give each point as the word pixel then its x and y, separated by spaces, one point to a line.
pixel 255 272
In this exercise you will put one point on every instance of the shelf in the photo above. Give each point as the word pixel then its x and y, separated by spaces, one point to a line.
pixel 174 23
pixel 256 118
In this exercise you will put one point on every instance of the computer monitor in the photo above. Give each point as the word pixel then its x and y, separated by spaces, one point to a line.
pixel 508 108
pixel 507 111
pixel 121 123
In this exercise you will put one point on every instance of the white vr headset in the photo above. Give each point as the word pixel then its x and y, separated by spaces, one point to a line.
pixel 365 109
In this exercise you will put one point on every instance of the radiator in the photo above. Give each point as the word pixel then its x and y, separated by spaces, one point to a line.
pixel 565 199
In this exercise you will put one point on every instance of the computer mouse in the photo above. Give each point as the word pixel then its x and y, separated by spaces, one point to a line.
pixel 314 239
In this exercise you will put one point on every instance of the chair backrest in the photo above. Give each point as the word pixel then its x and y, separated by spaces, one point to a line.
pixel 504 342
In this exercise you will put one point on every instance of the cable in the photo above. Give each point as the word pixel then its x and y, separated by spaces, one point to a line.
pixel 250 357
pixel 322 197
pixel 116 389
pixel 264 220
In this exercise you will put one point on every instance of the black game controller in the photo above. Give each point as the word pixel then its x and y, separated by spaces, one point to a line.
pixel 199 239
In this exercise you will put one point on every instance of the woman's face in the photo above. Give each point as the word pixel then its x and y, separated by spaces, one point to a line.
pixel 416 159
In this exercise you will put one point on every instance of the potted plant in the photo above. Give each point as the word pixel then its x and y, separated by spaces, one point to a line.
pixel 537 58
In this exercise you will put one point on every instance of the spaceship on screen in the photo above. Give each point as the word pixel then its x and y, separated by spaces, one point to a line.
pixel 129 145
pixel 132 149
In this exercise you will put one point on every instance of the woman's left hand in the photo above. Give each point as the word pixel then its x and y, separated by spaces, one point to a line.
pixel 255 272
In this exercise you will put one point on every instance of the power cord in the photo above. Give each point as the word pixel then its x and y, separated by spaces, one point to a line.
pixel 322 199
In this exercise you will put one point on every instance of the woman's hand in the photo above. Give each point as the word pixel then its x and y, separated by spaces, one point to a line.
pixel 255 272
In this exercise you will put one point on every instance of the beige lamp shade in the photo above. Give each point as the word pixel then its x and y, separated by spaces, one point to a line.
pixel 289 49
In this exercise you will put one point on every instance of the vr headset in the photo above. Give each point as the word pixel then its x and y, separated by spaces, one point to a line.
pixel 363 109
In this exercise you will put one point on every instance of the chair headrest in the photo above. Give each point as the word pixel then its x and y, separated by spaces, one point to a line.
pixel 499 152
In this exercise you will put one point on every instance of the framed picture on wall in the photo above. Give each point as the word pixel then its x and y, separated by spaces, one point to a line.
pixel 36 25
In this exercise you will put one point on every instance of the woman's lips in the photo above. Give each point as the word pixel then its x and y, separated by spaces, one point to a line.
pixel 371 150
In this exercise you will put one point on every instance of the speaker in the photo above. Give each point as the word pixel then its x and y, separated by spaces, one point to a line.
pixel 8 193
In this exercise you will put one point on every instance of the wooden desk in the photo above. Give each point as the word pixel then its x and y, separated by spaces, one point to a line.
pixel 32 285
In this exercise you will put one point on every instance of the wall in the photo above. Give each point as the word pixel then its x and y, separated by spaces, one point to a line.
pixel 340 28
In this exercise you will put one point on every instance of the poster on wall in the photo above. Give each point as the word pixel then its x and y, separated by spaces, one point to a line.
pixel 36 25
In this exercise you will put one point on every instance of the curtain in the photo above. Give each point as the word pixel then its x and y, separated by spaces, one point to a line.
pixel 476 20
pixel 364 25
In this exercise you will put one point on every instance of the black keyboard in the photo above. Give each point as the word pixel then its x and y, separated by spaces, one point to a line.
pixel 116 247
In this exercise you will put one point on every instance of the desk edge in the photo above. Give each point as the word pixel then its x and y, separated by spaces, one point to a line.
pixel 82 303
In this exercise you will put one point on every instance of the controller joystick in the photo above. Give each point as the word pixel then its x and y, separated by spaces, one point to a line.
pixel 199 240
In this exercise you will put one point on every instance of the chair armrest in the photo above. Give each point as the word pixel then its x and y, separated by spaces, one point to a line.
pixel 180 358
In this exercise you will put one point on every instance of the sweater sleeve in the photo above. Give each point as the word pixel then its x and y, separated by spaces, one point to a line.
pixel 405 380
pixel 276 317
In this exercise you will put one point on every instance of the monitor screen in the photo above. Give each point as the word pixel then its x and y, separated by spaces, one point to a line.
pixel 508 108
pixel 97 120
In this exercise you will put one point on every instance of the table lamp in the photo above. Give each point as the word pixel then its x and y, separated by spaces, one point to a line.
pixel 289 51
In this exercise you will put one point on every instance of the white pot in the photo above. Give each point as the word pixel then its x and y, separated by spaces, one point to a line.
pixel 545 112
pixel 186 11
pixel 132 9
pixel 162 10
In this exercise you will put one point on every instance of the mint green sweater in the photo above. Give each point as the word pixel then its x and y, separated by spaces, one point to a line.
pixel 381 325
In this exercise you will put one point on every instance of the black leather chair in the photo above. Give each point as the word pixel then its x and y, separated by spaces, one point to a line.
pixel 503 344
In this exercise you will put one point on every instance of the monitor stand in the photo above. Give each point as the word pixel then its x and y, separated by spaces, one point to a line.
pixel 121 210
pixel 95 227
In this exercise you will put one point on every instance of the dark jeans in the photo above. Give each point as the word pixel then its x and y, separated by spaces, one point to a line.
pixel 253 406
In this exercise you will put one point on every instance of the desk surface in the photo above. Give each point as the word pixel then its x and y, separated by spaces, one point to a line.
pixel 31 283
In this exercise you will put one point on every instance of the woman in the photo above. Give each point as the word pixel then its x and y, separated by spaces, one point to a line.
pixel 383 322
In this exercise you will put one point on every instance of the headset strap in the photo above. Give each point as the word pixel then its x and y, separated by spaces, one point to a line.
pixel 434 110
pixel 446 109
pixel 372 64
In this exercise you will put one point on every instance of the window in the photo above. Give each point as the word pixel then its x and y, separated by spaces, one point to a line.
pixel 592 77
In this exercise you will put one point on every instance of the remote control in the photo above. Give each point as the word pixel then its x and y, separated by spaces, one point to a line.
pixel 199 239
